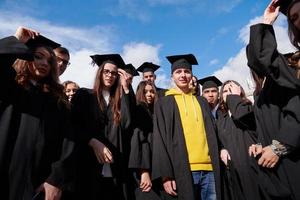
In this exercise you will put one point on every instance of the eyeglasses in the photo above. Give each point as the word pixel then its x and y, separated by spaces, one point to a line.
pixel 63 61
pixel 107 72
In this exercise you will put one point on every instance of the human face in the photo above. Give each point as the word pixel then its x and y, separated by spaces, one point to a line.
pixel 109 75
pixel 226 91
pixel 70 90
pixel 149 76
pixel 211 95
pixel 62 62
pixel 294 15
pixel 182 78
pixel 129 78
pixel 149 94
pixel 41 65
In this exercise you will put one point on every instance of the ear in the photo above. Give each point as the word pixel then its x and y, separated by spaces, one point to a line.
pixel 154 76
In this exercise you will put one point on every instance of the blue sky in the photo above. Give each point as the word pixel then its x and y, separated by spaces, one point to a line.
pixel 216 32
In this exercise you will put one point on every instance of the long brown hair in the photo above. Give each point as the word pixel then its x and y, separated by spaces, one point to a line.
pixel 140 92
pixel 293 61
pixel 48 84
pixel 223 106
pixel 115 93
pixel 294 33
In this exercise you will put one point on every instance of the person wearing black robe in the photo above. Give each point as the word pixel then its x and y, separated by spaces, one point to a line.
pixel 170 162
pixel 236 132
pixel 277 104
pixel 210 91
pixel 104 137
pixel 141 142
pixel 148 69
pixel 35 139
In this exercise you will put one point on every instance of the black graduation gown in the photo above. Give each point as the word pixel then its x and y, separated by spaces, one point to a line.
pixel 277 106
pixel 140 155
pixel 90 122
pixel 141 149
pixel 236 134
pixel 32 130
pixel 169 149
pixel 160 91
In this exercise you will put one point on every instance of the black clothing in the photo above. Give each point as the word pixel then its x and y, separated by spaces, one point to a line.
pixel 170 157
pixel 90 122
pixel 236 133
pixel 160 91
pixel 34 126
pixel 141 150
pixel 277 105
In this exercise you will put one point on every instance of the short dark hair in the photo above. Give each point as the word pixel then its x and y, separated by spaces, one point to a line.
pixel 62 50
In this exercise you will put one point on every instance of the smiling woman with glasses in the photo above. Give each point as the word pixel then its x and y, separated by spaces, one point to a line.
pixel 102 119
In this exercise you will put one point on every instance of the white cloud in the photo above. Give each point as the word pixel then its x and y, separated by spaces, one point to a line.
pixel 138 53
pixel 214 62
pixel 236 67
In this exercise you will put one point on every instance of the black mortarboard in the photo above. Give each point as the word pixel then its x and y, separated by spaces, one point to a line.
pixel 130 69
pixel 209 82
pixel 182 61
pixel 284 5
pixel 114 58
pixel 11 47
pixel 148 67
pixel 41 41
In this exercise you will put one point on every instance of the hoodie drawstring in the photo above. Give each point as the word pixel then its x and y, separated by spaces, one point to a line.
pixel 194 107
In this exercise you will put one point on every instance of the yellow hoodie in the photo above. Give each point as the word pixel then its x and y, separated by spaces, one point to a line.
pixel 193 129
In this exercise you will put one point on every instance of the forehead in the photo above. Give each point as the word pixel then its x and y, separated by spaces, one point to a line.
pixel 110 66
pixel 42 50
pixel 71 85
pixel 148 73
pixel 182 69
pixel 148 87
pixel 212 89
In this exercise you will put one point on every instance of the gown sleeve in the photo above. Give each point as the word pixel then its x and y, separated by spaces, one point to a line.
pixel 289 132
pixel 265 60
pixel 161 162
pixel 241 111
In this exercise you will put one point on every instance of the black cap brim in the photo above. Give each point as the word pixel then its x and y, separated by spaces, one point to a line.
pixel 148 67
pixel 209 82
pixel 284 6
pixel 182 61
pixel 41 41
pixel 130 69
pixel 11 47
pixel 115 58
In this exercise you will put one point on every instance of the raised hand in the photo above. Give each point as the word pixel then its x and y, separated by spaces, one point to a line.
pixel 271 12
pixel 24 34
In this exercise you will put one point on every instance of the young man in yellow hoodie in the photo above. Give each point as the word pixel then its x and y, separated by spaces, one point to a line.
pixel 185 148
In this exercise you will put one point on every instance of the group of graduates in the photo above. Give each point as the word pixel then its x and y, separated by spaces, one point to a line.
pixel 59 141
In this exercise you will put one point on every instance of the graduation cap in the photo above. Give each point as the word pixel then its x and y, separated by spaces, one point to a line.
pixel 40 40
pixel 209 82
pixel 182 61
pixel 130 69
pixel 284 6
pixel 11 47
pixel 110 58
pixel 148 67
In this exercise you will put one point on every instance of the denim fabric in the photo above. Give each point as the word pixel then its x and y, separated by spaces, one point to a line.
pixel 204 185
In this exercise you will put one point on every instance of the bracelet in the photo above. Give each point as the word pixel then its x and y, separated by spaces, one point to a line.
pixel 278 148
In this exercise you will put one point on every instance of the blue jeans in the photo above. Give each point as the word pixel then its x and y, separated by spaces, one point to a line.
pixel 204 185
